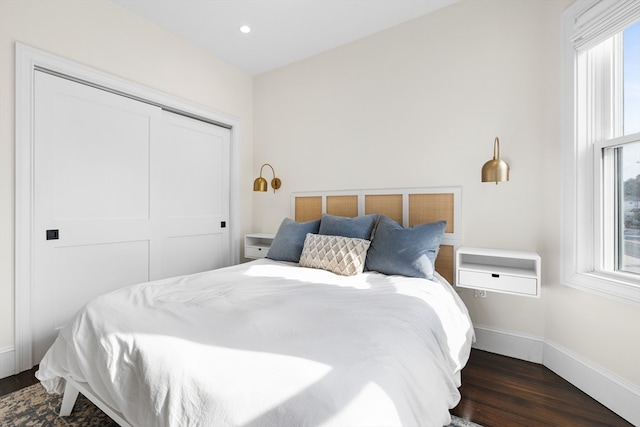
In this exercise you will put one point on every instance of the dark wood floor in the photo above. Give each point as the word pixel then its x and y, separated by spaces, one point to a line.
pixel 496 391
pixel 16 382
pixel 501 391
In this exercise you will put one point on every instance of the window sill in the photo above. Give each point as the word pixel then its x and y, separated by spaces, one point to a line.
pixel 602 284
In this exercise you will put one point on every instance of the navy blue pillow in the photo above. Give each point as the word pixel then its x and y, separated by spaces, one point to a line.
pixel 405 251
pixel 359 227
pixel 289 240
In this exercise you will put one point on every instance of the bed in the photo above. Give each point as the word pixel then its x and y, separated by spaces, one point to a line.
pixel 324 339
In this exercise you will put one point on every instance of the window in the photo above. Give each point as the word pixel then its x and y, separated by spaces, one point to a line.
pixel 601 138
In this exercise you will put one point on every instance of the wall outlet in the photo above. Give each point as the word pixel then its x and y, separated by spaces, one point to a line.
pixel 480 293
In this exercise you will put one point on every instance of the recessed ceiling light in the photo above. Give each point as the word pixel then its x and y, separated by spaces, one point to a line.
pixel 245 29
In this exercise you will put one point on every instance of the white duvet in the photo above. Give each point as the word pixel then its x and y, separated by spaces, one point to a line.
pixel 270 344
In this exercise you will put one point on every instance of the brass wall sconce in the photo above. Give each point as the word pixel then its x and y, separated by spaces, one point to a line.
pixel 495 170
pixel 260 184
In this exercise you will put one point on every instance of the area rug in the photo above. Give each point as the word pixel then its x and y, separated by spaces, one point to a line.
pixel 34 407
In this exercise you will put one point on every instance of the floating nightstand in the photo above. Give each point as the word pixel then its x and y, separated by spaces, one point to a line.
pixel 499 270
pixel 257 245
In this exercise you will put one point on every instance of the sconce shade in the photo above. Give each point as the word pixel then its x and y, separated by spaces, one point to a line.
pixel 495 170
pixel 260 184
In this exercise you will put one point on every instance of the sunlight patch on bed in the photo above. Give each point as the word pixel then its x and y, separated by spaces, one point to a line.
pixel 236 371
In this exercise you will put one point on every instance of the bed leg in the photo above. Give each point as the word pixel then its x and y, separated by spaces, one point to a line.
pixel 68 399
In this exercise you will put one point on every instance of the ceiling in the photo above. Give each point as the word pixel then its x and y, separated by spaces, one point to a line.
pixel 283 31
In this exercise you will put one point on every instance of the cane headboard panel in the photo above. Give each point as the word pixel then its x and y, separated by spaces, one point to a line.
pixel 409 207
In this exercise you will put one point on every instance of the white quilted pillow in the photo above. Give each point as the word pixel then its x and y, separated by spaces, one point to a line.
pixel 341 255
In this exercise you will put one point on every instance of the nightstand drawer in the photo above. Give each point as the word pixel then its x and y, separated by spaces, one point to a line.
pixel 498 282
pixel 255 252
pixel 257 245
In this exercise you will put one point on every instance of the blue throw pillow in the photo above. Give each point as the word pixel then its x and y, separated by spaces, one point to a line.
pixel 405 251
pixel 289 240
pixel 359 227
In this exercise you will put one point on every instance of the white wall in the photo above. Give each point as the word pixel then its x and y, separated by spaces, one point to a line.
pixel 419 105
pixel 102 35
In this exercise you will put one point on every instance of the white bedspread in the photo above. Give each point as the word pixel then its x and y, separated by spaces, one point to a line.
pixel 270 344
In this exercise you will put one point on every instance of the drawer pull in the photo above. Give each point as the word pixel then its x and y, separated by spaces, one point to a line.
pixel 495 275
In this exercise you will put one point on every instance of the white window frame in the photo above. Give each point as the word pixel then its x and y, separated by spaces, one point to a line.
pixel 584 264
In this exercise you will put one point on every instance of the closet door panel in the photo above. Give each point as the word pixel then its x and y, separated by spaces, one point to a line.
pixel 191 157
pixel 100 170
pixel 91 188
pixel 188 254
pixel 81 273
pixel 190 188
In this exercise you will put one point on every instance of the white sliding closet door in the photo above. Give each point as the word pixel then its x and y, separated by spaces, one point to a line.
pixel 124 193
pixel 190 189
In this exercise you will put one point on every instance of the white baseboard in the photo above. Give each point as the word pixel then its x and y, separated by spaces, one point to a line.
pixel 615 393
pixel 7 361
pixel 506 343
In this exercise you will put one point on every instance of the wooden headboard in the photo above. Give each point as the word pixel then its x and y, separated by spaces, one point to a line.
pixel 408 206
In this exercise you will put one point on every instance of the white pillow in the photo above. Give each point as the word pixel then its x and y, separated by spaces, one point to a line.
pixel 341 255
